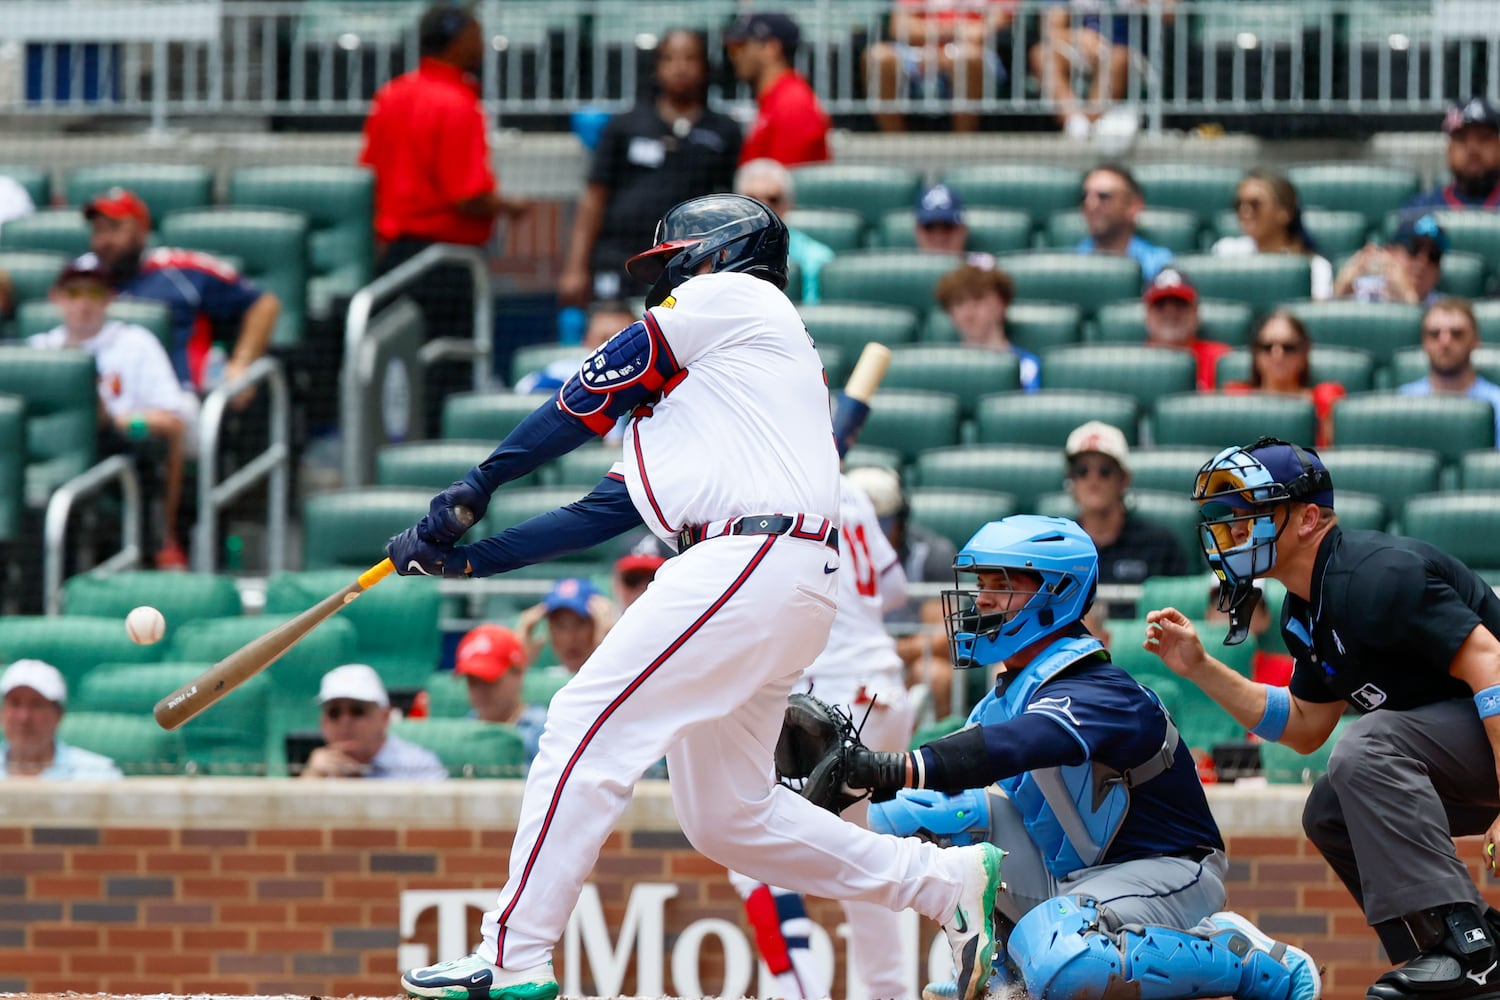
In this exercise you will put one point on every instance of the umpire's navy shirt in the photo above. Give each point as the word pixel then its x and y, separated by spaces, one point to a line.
pixel 1386 618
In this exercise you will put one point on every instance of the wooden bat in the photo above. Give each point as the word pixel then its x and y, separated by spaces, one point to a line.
pixel 250 659
pixel 854 402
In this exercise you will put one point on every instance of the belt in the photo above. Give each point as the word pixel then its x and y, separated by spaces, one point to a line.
pixel 811 527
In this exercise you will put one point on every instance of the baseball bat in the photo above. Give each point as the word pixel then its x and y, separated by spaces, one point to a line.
pixel 256 655
pixel 854 402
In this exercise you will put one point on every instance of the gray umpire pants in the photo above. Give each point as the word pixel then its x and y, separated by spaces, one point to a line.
pixel 1400 786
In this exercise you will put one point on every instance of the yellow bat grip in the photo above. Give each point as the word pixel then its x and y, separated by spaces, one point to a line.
pixel 376 573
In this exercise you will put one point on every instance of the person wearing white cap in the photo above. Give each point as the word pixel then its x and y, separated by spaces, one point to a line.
pixel 1131 547
pixel 32 698
pixel 355 719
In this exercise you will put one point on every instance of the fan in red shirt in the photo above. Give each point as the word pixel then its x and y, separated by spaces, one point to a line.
pixel 1172 321
pixel 791 126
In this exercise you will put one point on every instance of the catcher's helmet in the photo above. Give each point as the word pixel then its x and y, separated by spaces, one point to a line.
pixel 735 232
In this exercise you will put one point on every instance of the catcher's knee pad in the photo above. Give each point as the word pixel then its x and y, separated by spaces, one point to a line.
pixel 1064 953
pixel 956 820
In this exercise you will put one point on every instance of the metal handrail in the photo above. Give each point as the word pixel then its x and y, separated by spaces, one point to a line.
pixel 60 506
pixel 273 464
pixel 353 382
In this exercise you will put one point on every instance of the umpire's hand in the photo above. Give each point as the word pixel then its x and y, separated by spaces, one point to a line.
pixel 1171 636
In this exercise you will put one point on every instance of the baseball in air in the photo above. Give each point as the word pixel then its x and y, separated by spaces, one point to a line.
pixel 145 625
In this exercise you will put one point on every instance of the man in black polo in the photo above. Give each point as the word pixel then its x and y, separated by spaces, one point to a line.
pixel 1406 635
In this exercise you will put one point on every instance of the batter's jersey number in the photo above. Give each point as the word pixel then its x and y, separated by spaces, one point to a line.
pixel 864 566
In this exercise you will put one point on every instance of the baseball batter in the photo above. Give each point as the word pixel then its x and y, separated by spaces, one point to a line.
pixel 730 454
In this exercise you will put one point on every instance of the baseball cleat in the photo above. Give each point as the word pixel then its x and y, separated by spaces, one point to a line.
pixel 971 929
pixel 472 978
pixel 1307 984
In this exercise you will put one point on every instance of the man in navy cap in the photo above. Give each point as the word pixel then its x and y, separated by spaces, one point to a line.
pixel 940 220
pixel 1406 269
pixel 790 127
pixel 1473 129
pixel 1405 635
pixel 577 617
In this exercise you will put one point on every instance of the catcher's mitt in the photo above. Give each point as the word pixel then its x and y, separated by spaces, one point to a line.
pixel 814 752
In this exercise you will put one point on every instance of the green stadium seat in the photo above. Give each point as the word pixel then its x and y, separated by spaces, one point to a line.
pixel 903 278
pixel 1173 228
pixel 62 230
pixel 1362 511
pixel 1169 468
pixel 1387 473
pixel 866 455
pixel 582 468
pixel 1038 189
pixel 1263 281
pixel 1463 274
pixel 40 315
pixel 839 229
pixel 1024 471
pixel 1032 326
pixel 991 230
pixel 1336 233
pixel 1125 322
pixel 1411 364
pixel 1144 373
pixel 36 181
pixel 1200 188
pixel 793 288
pixel 1200 720
pixel 1086 282
pixel 1465 524
pixel 469 748
pixel 447 695
pixel 512 506
pixel 435 464
pixel 535 357
pixel 74 646
pixel 164 187
pixel 1047 417
pixel 296 674
pixel 958 514
pixel 271 246
pixel 937 730
pixel 349 528
pixel 867 189
pixel 134 742
pixel 1351 368
pixel 396 625
pixel 1370 189
pixel 850 327
pixel 967 372
pixel 180 597
pixel 1381 328
pixel 1188 594
pixel 836 364
pixel 32 272
pixel 1473 232
pixel 1450 425
pixel 1478 470
pixel 1487 314
pixel 911 421
pixel 541 683
pixel 62 406
pixel 1282 765
pixel 487 416
pixel 1216 420
pixel 12 466
pixel 339 203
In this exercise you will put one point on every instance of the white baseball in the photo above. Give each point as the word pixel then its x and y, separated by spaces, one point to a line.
pixel 145 625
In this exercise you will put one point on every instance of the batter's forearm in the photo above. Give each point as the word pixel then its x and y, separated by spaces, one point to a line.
pixel 606 513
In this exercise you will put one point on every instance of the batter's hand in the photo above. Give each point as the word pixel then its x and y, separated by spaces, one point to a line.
pixel 1171 636
pixel 440 525
pixel 414 557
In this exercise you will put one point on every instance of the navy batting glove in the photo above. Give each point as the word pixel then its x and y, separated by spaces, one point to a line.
pixel 440 525
pixel 412 556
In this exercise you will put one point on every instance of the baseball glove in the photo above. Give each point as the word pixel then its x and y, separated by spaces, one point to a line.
pixel 814 751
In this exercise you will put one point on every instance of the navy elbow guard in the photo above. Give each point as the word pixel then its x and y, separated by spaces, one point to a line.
pixel 957 761
pixel 636 366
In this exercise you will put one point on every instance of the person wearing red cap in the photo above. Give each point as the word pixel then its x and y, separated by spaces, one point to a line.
pixel 633 574
pixel 1172 321
pixel 790 124
pixel 200 292
pixel 493 660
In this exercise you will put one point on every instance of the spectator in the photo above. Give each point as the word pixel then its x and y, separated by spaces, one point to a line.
pixel 634 572
pixel 606 318
pixel 355 722
pixel 1281 365
pixel 1406 269
pixel 1172 322
pixel 33 697
pixel 139 395
pixel 1131 548
pixel 577 616
pixel 1092 48
pixel 492 660
pixel 667 148
pixel 201 292
pixel 7 296
pixel 1473 129
pixel 1450 336
pixel 15 202
pixel 1270 218
pixel 948 42
pixel 940 220
pixel 770 183
pixel 790 125
pixel 1112 201
pixel 975 301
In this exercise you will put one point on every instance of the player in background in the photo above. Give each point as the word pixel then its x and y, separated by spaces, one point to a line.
pixel 1404 633
pixel 729 422
pixel 1115 866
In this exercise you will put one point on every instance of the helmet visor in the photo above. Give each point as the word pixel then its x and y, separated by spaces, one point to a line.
pixel 647 267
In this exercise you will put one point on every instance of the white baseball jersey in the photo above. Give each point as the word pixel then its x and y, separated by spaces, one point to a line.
pixel 719 444
pixel 135 373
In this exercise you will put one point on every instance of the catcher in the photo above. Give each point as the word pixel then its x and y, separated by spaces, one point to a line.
pixel 1115 866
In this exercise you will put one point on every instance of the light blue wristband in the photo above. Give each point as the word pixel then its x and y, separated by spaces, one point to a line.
pixel 1488 701
pixel 1278 709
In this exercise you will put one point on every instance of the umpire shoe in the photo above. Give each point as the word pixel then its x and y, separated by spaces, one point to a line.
pixel 1305 981
pixel 971 929
pixel 1458 959
pixel 472 978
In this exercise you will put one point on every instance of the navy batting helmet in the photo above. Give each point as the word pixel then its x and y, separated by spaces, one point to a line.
pixel 732 231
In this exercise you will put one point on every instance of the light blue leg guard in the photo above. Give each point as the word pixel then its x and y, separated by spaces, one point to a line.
pixel 1064 954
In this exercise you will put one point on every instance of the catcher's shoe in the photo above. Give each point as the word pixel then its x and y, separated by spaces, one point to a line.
pixel 472 978
pixel 1306 983
pixel 971 929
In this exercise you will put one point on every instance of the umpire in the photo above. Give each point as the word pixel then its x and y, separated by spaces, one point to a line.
pixel 1403 633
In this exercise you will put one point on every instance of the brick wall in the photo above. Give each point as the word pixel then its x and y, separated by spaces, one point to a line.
pixel 262 887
